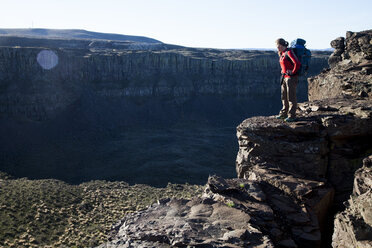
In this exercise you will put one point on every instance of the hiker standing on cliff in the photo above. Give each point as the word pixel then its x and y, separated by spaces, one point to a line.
pixel 290 65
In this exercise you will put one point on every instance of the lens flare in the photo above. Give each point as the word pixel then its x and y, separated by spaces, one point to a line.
pixel 47 59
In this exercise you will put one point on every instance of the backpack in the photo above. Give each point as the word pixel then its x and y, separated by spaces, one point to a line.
pixel 303 54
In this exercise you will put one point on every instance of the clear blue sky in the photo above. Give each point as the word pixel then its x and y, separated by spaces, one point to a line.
pixel 198 23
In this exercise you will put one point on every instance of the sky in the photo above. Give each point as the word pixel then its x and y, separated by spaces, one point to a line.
pixel 198 23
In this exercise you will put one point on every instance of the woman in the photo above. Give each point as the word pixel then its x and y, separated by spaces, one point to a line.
pixel 290 65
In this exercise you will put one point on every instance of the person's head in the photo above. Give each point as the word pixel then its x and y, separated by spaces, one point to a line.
pixel 281 44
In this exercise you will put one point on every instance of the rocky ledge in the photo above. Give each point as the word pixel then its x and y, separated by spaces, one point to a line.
pixel 327 143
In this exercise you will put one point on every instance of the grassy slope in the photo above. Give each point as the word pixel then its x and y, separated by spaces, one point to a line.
pixel 51 213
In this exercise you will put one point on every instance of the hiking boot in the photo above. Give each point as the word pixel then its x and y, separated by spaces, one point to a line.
pixel 289 119
pixel 280 117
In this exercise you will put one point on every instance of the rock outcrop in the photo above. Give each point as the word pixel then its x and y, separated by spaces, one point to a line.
pixel 327 143
pixel 233 213
pixel 339 46
pixel 351 73
pixel 353 227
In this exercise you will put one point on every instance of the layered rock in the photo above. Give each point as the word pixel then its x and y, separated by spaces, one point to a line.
pixel 351 73
pixel 327 142
pixel 353 227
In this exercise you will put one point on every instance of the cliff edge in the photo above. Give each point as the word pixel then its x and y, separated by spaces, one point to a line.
pixel 328 142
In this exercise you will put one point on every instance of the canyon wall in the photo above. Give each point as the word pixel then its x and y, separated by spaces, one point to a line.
pixel 103 70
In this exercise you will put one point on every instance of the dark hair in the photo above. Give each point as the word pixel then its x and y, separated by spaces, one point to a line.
pixel 282 42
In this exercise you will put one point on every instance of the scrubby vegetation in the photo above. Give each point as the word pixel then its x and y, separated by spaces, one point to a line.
pixel 51 213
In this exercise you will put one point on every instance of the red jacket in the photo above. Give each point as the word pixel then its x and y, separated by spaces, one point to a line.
pixel 289 63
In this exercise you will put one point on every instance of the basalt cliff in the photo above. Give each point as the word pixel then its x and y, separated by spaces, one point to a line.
pixel 41 79
pixel 291 177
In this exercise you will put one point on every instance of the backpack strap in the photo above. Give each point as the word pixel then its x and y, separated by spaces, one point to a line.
pixel 293 53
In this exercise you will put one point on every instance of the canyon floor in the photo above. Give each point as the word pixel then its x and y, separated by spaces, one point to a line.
pixel 51 213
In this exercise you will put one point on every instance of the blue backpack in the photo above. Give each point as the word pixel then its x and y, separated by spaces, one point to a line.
pixel 303 54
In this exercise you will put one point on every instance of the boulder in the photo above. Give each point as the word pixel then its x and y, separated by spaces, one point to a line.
pixel 339 46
